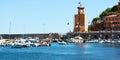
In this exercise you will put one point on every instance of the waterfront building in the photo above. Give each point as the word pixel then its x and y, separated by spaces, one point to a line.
pixel 97 26
pixel 80 20
pixel 110 22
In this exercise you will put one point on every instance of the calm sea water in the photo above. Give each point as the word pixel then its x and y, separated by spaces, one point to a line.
pixel 87 51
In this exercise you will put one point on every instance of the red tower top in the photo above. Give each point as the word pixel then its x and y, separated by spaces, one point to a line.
pixel 80 9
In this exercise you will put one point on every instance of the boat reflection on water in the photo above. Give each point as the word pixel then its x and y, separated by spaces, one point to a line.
pixel 82 45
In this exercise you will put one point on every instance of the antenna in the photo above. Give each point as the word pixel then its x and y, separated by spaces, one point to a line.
pixel 10 23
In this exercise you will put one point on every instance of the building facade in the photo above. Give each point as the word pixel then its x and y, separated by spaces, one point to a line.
pixel 80 20
pixel 97 26
pixel 110 22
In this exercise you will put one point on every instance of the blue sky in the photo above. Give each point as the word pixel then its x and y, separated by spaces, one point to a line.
pixel 45 16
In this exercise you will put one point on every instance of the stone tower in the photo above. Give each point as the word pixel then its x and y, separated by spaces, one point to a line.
pixel 80 20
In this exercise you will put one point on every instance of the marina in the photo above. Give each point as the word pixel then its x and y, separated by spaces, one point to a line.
pixel 44 30
pixel 72 51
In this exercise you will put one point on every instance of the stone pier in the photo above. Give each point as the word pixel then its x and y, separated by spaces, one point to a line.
pixel 96 34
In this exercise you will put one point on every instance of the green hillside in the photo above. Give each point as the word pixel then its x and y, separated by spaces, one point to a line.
pixel 105 12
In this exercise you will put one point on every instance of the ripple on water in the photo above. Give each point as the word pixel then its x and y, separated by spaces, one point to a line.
pixel 63 52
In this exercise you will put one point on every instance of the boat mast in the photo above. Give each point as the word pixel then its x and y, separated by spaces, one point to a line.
pixel 9 30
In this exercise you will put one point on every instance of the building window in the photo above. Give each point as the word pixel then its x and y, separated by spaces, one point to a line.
pixel 106 19
pixel 112 18
pixel 109 19
pixel 115 18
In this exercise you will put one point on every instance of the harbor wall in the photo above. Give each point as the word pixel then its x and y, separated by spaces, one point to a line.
pixel 96 35
pixel 39 36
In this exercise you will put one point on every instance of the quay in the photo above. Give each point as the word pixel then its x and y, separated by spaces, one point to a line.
pixel 96 35
pixel 36 40
pixel 34 35
pixel 85 35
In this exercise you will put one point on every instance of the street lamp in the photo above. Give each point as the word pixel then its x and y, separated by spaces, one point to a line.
pixel 112 26
pixel 117 37
pixel 100 36
pixel 112 37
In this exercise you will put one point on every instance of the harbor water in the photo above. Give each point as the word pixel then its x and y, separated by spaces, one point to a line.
pixel 72 51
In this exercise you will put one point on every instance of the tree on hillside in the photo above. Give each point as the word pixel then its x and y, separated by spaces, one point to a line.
pixel 104 13
pixel 95 19
pixel 114 8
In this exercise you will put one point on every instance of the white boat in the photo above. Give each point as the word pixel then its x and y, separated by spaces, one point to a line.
pixel 92 41
pixel 107 41
pixel 112 41
pixel 34 45
pixel 71 40
pixel 62 43
pixel 10 44
pixel 100 41
pixel 17 45
pixel 26 45
pixel 118 41
pixel 2 45
pixel 78 39
pixel 44 44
